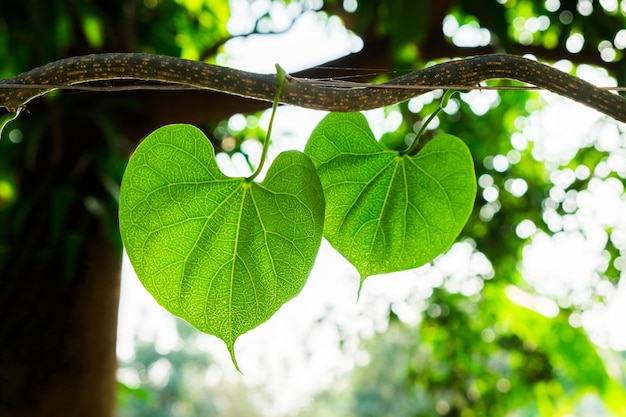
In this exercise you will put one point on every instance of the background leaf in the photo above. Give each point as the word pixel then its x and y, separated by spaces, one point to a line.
pixel 223 253
pixel 388 212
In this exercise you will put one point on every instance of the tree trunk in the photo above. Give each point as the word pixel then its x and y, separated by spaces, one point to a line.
pixel 60 266
pixel 59 359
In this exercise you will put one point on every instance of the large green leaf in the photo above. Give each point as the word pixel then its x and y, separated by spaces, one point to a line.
pixel 386 211
pixel 223 253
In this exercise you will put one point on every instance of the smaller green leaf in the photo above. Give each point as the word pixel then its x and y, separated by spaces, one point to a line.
pixel 223 253
pixel 386 211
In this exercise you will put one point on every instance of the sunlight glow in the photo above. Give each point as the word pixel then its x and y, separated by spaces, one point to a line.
pixel 552 5
pixel 563 265
pixel 310 31
pixel 467 35
pixel 525 229
pixel 609 6
pixel 481 101
pixel 575 43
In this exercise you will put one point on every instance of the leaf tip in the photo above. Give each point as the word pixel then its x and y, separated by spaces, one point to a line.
pixel 231 350
pixel 358 293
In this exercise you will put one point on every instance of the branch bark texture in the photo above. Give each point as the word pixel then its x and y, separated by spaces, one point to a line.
pixel 160 72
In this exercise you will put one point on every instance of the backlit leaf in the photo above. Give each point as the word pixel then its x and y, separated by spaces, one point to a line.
pixel 223 253
pixel 386 211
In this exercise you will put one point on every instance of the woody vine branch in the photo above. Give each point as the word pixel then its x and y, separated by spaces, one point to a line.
pixel 160 72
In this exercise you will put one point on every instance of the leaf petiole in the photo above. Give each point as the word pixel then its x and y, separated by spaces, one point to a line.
pixel 280 81
pixel 442 105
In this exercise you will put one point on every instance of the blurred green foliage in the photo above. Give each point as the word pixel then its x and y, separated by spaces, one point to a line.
pixel 182 381
pixel 476 356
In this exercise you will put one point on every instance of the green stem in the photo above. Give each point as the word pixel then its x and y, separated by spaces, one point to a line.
pixel 444 102
pixel 280 81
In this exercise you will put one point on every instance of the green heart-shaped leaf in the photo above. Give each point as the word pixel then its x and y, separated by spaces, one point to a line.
pixel 386 211
pixel 223 253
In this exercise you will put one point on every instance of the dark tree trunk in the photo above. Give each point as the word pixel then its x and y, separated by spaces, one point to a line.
pixel 60 266
pixel 59 358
